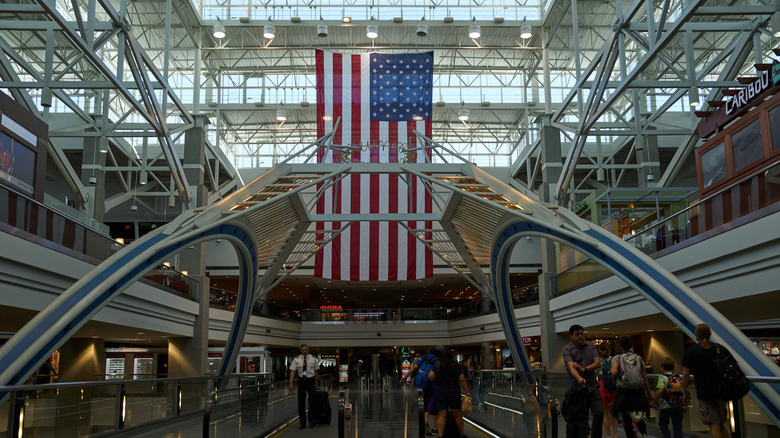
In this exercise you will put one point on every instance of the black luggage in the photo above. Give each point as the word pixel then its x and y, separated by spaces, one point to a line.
pixel 319 409
pixel 450 427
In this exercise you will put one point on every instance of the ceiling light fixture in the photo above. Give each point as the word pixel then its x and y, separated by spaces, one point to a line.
pixel 281 114
pixel 463 114
pixel 269 31
pixel 422 28
pixel 372 30
pixel 693 96
pixel 525 30
pixel 474 29
pixel 322 30
pixel 219 30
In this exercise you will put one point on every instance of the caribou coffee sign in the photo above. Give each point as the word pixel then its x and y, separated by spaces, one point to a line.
pixel 747 94
pixel 741 102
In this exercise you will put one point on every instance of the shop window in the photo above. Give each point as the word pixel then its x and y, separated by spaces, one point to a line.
pixel 774 126
pixel 746 145
pixel 713 165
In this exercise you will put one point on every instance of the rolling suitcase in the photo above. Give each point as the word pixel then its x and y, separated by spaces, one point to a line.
pixel 319 409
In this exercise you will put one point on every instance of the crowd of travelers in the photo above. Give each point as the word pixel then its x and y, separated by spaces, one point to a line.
pixel 609 384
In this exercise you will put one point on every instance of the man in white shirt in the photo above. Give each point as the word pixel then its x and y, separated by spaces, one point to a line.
pixel 305 367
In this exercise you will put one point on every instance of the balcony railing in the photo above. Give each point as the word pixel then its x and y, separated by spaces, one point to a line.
pixel 743 202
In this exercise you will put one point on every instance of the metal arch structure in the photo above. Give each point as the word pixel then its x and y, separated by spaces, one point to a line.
pixel 671 296
pixel 477 219
pixel 54 325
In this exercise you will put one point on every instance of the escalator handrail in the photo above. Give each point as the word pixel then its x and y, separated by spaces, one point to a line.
pixel 209 405
pixel 421 412
pixel 342 403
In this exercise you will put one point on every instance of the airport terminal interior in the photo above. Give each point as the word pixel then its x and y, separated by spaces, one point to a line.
pixel 191 190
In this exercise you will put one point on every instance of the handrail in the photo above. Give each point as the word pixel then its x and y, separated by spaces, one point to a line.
pixel 341 408
pixel 57 212
pixel 711 196
pixel 216 394
pixel 421 412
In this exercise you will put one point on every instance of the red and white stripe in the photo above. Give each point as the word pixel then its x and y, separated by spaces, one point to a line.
pixel 367 251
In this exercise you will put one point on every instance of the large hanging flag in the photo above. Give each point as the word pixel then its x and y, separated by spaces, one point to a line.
pixel 381 99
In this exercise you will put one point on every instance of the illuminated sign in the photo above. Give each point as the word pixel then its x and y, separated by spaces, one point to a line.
pixel 331 307
pixel 747 94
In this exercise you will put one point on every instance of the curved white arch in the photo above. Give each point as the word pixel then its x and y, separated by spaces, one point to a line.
pixel 53 326
pixel 670 295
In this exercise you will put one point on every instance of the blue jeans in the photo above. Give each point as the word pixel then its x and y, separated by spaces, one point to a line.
pixel 676 415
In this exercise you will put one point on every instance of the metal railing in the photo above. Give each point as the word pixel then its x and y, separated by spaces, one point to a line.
pixel 754 193
pixel 743 416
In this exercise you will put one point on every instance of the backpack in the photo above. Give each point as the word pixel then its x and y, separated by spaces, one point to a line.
pixel 606 375
pixel 421 379
pixel 575 405
pixel 731 381
pixel 630 371
pixel 673 392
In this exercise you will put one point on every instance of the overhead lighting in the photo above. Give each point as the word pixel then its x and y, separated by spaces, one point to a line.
pixel 693 96
pixel 281 114
pixel 219 31
pixel 525 30
pixel 372 30
pixel 269 31
pixel 474 29
pixel 322 30
pixel 143 177
pixel 463 114
pixel 422 28
pixel 417 117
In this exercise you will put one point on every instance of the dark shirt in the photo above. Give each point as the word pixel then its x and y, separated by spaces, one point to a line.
pixel 584 356
pixel 450 385
pixel 701 362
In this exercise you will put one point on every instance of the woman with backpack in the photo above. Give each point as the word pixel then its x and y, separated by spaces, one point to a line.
pixel 450 378
pixel 607 388
pixel 669 398
pixel 631 398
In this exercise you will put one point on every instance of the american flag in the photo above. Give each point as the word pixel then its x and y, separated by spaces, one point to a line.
pixel 381 99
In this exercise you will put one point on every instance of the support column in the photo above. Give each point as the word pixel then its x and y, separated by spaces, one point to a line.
pixel 93 177
pixel 647 157
pixel 188 356
pixel 550 154
pixel 552 343
pixel 488 356
pixel 82 359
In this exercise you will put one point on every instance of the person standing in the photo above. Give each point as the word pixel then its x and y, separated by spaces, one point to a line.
pixel 450 378
pixel 359 371
pixel 667 412
pixel 582 360
pixel 306 367
pixel 699 360
pixel 607 389
pixel 631 399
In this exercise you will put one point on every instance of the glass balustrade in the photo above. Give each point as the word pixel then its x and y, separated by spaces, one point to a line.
pixel 744 201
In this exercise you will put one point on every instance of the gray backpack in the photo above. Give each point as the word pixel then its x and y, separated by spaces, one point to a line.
pixel 630 371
